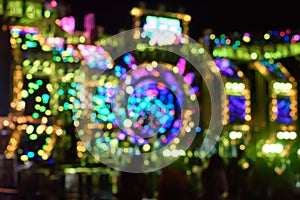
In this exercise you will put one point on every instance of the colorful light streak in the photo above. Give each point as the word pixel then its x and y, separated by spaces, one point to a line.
pixel 23 30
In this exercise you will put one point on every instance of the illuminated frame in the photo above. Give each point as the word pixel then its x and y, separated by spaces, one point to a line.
pixel 236 86
pixel 283 86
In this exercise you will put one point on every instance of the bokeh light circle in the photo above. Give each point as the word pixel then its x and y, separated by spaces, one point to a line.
pixel 151 105
pixel 146 104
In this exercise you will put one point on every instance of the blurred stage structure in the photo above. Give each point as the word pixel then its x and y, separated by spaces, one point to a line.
pixel 270 62
pixel 41 134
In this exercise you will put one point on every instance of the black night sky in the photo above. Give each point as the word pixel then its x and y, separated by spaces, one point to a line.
pixel 221 16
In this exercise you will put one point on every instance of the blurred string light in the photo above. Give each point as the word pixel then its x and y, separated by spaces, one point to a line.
pixel 45 90
pixel 36 90
pixel 236 39
pixel 39 141
pixel 29 37
pixel 61 52
pixel 246 46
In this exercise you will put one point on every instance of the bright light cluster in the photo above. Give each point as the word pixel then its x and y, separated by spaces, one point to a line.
pixel 95 56
pixel 286 135
pixel 235 87
pixel 282 87
pixel 151 108
pixel 162 30
pixel 235 135
pixel 25 37
pixel 272 148
pixel 134 105
pixel 67 54
pixel 29 38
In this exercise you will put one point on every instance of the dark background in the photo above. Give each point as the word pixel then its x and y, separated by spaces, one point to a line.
pixel 5 73
pixel 221 16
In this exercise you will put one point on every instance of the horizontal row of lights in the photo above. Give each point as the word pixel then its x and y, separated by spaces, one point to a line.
pixel 238 39
pixel 248 53
pixel 272 148
pixel 286 135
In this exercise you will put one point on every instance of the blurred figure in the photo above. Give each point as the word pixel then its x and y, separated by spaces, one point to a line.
pixel 214 181
pixel 173 184
pixel 264 183
pixel 131 186
pixel 260 177
pixel 236 177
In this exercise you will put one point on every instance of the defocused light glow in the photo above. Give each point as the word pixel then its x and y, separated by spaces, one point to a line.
pixel 162 30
